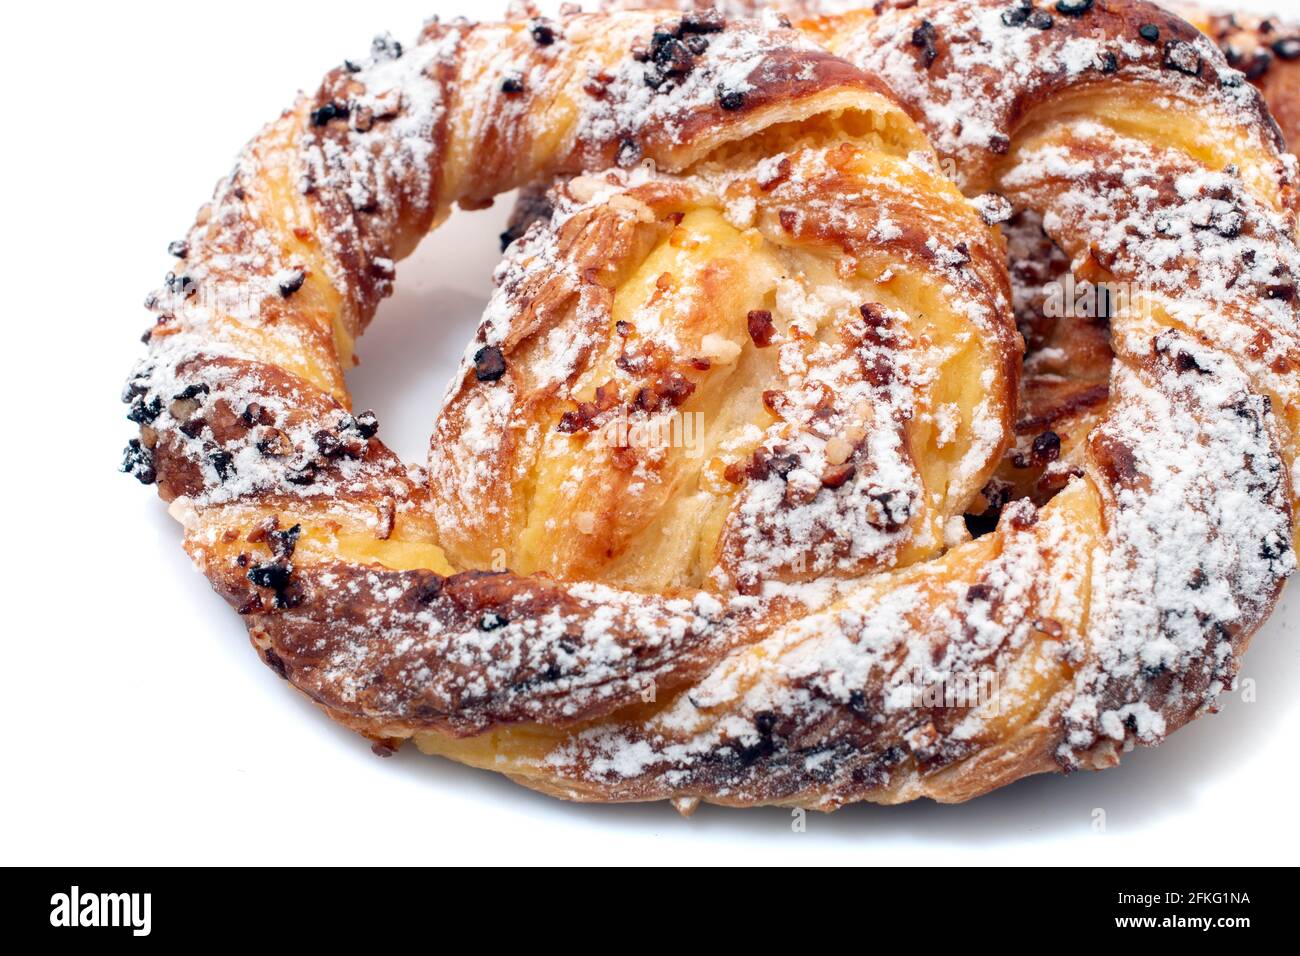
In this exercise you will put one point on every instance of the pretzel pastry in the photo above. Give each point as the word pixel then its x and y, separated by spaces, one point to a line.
pixel 754 241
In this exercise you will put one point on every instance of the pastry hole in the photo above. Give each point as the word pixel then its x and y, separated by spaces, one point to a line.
pixel 413 347
pixel 1065 373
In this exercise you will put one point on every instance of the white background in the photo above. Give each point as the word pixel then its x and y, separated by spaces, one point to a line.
pixel 138 725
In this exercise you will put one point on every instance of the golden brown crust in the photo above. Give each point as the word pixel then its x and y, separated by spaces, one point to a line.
pixel 383 626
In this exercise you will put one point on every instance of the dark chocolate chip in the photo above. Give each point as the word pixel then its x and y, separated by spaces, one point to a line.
pixel 897 509
pixel 697 44
pixel 366 424
pixel 1287 48
pixel 183 284
pixel 1046 447
pixel 255 413
pixel 1150 672
pixel 194 427
pixel 782 465
pixel 1229 224
pixel 730 99
pixel 1149 32
pixel 1073 8
pixel 654 78
pixel 1258 65
pixel 704 21
pixel 191 391
pixel 274 575
pixel 270 575
pixel 322 116
pixel 1017 15
pixel 138 461
pixel 1272 548
pixel 284 542
pixel 143 413
pixel 1182 56
pixel 512 84
pixel 923 37
pixel 179 248
pixel 223 461
pixel 301 472
pixel 671 56
pixel 629 154
pixel 384 47
pixel 543 33
pixel 292 282
pixel 426 591
pixel 489 364
pixel 1185 362
pixel 748 754
pixel 328 443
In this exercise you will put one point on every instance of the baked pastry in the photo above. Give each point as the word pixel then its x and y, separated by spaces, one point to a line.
pixel 788 608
